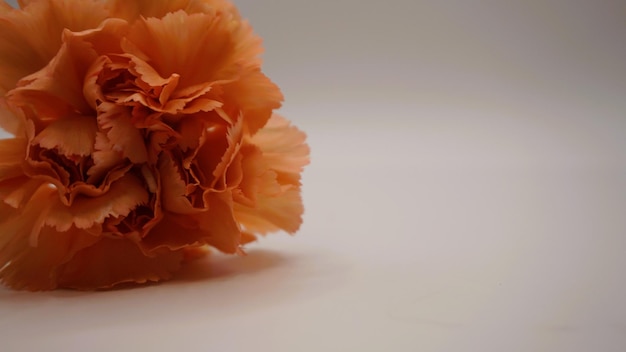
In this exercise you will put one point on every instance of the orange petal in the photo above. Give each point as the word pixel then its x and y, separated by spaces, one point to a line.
pixel 35 268
pixel 31 37
pixel 122 197
pixel 70 136
pixel 12 155
pixel 222 45
pixel 203 161
pixel 191 129
pixel 269 193
pixel 149 75
pixel 104 39
pixel 122 134
pixel 92 90
pixel 112 261
pixel 173 232
pixel 150 8
pixel 4 7
pixel 216 152
pixel 11 119
pixel 272 212
pixel 173 188
pixel 215 227
pixel 233 137
pixel 253 169
pixel 247 238
pixel 17 191
pixel 223 231
pixel 283 147
pixel 255 96
pixel 104 158
pixel 57 89
pixel 21 227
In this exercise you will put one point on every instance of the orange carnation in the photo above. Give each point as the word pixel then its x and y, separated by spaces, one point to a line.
pixel 143 131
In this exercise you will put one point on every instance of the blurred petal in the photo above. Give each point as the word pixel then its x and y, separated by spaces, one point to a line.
pixel 104 39
pixel 191 129
pixel 31 37
pixel 36 267
pixel 133 10
pixel 17 191
pixel 57 90
pixel 112 261
pixel 215 227
pixel 12 155
pixel 247 238
pixel 218 38
pixel 273 212
pixel 174 231
pixel 223 232
pixel 20 228
pixel 255 96
pixel 283 147
pixel 269 197
pixel 11 119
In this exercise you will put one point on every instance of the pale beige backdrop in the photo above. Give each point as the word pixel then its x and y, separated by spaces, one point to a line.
pixel 466 193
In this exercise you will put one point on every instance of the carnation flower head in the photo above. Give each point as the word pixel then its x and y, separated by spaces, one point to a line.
pixel 144 131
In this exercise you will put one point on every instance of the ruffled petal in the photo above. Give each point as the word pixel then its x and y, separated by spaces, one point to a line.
pixel 70 136
pixel 173 188
pixel 220 172
pixel 105 158
pixel 135 149
pixel 203 161
pixel 122 197
pixel 191 130
pixel 117 122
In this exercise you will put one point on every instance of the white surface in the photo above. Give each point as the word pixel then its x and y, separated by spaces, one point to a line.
pixel 466 193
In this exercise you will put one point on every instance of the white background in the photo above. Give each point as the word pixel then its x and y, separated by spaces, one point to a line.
pixel 466 193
